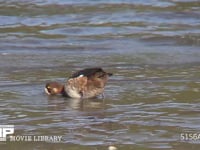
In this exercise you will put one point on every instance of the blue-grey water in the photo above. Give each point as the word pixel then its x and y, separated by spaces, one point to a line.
pixel 151 46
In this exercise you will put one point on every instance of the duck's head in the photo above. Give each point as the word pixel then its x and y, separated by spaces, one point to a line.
pixel 54 88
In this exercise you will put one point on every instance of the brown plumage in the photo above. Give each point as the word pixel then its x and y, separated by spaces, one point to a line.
pixel 86 83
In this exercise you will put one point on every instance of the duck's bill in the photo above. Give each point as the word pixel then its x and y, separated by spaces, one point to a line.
pixel 46 91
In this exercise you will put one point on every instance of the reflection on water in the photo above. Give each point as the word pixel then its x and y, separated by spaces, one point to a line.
pixel 152 47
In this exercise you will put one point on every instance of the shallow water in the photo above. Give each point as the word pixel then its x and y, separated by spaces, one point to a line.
pixel 152 47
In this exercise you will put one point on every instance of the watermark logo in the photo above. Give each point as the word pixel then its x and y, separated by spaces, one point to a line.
pixel 6 130
pixel 34 138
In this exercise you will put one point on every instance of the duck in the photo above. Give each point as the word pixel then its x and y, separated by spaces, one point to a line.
pixel 86 83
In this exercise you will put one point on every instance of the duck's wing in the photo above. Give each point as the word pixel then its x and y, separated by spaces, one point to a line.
pixel 88 82
pixel 88 72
